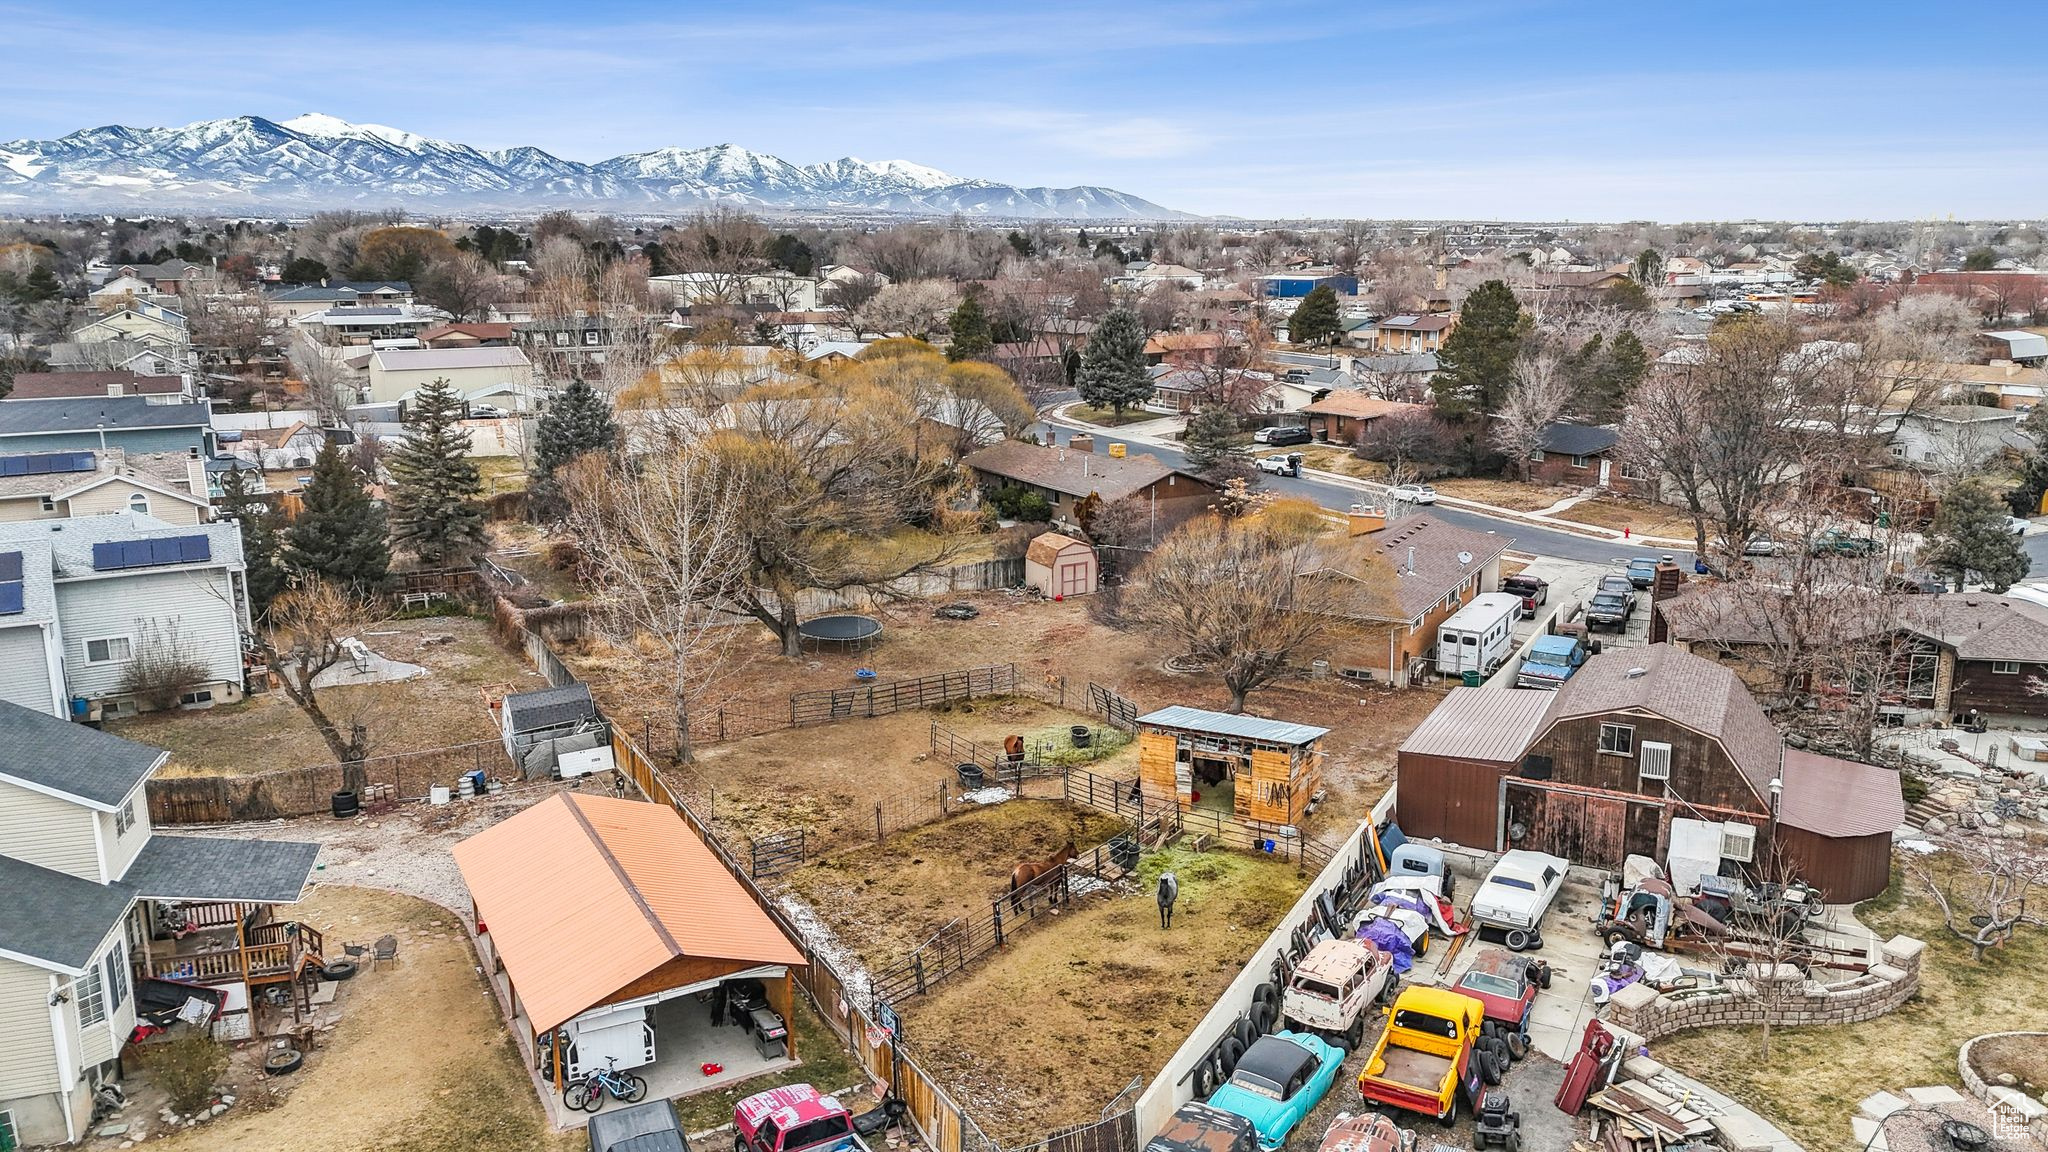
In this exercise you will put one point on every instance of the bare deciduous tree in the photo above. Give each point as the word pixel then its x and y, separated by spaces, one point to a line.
pixel 309 625
pixel 1983 896
pixel 1539 392
pixel 329 386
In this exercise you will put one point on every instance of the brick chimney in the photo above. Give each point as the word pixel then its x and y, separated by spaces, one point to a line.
pixel 1365 519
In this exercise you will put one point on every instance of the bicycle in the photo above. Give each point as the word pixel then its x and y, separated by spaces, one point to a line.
pixel 587 1094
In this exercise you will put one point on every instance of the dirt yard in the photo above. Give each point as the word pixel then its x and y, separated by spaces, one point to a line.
pixel 265 731
pixel 1046 1030
pixel 886 899
pixel 380 1080
pixel 1814 1077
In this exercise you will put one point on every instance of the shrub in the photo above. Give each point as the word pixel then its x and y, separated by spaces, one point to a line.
pixel 163 667
pixel 1915 788
pixel 186 1066
pixel 562 555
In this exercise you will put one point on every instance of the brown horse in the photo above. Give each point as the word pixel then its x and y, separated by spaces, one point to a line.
pixel 1023 874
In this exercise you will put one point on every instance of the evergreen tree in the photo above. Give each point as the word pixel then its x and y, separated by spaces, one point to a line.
pixel 1112 371
pixel 41 285
pixel 258 522
pixel 434 483
pixel 1478 358
pixel 972 339
pixel 339 534
pixel 578 421
pixel 303 270
pixel 1970 536
pixel 1627 363
pixel 1315 321
pixel 1206 441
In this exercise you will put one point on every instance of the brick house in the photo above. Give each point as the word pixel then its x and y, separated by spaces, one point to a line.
pixel 1342 417
pixel 1434 567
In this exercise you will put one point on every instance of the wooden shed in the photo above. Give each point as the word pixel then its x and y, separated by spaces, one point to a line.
pixel 1059 565
pixel 1271 769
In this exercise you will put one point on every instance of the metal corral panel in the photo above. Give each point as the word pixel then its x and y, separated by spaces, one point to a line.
pixel 1484 723
pixel 1227 724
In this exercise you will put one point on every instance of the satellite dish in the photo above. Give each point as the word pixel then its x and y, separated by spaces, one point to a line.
pixel 1464 557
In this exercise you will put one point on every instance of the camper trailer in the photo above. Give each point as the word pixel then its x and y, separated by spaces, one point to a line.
pixel 1478 637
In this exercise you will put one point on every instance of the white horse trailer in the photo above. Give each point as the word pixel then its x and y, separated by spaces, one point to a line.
pixel 1478 637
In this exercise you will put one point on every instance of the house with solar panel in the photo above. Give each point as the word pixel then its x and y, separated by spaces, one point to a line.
pixel 81 600
pixel 169 486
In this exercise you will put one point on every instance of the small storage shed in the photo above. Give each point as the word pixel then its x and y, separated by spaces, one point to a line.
pixel 1059 565
pixel 1271 769
pixel 554 728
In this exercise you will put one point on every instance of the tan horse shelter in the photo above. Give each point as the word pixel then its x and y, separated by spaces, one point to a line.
pixel 1261 771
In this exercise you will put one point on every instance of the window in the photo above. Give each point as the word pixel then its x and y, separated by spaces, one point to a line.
pixel 1578 461
pixel 561 339
pixel 590 338
pixel 49 505
pixel 125 818
pixel 10 1137
pixel 116 967
pixel 2005 667
pixel 1899 451
pixel 111 650
pixel 1536 457
pixel 1920 671
pixel 139 503
pixel 1619 739
pixel 92 997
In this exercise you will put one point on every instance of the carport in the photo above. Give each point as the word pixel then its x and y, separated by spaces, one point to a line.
pixel 612 933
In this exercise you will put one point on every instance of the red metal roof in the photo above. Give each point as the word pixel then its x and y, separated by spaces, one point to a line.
pixel 1839 797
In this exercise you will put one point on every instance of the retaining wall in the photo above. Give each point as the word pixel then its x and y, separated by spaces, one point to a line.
pixel 2003 1101
pixel 1651 1015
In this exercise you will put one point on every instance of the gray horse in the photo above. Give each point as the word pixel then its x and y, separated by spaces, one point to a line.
pixel 1169 891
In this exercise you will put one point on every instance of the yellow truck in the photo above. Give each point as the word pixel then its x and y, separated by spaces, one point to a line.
pixel 1426 1059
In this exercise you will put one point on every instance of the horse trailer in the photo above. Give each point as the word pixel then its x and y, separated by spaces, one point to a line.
pixel 1478 637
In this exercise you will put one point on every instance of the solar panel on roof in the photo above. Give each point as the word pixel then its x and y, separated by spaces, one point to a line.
pixel 45 463
pixel 10 598
pixel 115 555
pixel 10 565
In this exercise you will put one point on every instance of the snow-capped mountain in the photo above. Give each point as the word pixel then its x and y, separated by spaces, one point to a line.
pixel 319 161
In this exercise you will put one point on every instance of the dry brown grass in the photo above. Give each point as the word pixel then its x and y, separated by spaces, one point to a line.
pixel 1336 458
pixel 1640 517
pixel 1501 493
pixel 1816 1075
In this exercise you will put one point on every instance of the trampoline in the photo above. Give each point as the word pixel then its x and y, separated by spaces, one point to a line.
pixel 847 632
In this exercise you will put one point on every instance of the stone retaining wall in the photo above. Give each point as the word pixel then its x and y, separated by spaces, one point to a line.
pixel 1651 1015
pixel 2001 1100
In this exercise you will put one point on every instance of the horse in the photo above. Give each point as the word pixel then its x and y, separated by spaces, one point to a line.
pixel 1023 874
pixel 1169 892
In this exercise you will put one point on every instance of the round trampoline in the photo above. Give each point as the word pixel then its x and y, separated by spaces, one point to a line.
pixel 847 632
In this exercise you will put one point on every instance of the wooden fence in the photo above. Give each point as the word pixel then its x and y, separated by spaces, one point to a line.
pixel 829 704
pixel 1123 798
pixel 305 791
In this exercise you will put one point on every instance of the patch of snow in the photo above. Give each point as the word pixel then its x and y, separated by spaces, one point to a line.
pixel 819 935
pixel 1085 884
pixel 987 796
pixel 1922 847
pixel 22 162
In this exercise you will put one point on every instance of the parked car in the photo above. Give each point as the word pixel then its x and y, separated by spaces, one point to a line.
pixel 1506 983
pixel 1620 586
pixel 1835 542
pixel 1367 1132
pixel 1641 571
pixel 486 412
pixel 1534 591
pixel 1518 892
pixel 1758 545
pixel 1412 493
pixel 650 1126
pixel 1426 1060
pixel 2017 525
pixel 793 1118
pixel 1610 610
pixel 1334 987
pixel 1196 1127
pixel 1551 661
pixel 1277 1082
pixel 1414 859
pixel 1288 465
pixel 1281 437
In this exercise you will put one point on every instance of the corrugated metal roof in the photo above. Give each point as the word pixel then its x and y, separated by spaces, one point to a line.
pixel 1484 723
pixel 1229 724
pixel 1839 797
pixel 582 895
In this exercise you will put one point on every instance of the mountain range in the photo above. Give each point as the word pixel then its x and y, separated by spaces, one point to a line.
pixel 247 163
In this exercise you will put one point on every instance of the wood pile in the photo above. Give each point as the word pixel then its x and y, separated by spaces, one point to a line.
pixel 1646 1120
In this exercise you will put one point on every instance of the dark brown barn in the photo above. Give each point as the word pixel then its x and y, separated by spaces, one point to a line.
pixel 1597 771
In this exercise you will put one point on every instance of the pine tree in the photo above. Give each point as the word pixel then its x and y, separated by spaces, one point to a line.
pixel 578 421
pixel 1970 536
pixel 1315 321
pixel 41 285
pixel 1478 357
pixel 434 483
pixel 1206 440
pixel 258 522
pixel 1112 371
pixel 972 339
pixel 1627 363
pixel 338 537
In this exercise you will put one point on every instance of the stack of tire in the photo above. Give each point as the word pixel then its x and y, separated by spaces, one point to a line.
pixel 1263 1019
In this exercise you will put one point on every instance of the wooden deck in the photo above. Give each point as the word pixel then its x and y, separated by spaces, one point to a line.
pixel 230 944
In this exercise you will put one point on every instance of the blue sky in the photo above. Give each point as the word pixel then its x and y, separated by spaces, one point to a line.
pixel 1644 109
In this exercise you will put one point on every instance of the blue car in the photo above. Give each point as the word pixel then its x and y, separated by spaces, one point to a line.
pixel 1277 1081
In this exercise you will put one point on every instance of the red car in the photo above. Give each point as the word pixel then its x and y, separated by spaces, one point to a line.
pixel 794 1118
pixel 1506 982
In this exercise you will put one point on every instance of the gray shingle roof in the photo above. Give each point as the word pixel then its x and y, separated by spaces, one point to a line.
pixel 216 868
pixel 1231 724
pixel 549 707
pixel 93 767
pixel 55 918
pixel 1075 473
pixel 70 541
pixel 87 413
pixel 1578 439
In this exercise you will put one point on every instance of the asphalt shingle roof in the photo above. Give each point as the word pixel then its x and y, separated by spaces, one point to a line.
pixel 1685 689
pixel 1074 473
pixel 56 918
pixel 92 766
pixel 549 707
pixel 1437 568
pixel 216 868
pixel 89 413
pixel 1578 439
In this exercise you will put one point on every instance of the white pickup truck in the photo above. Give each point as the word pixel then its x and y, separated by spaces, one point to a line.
pixel 1334 986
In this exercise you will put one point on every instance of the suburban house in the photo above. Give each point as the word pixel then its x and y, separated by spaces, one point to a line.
pixel 1653 752
pixel 2002 382
pixel 600 921
pixel 98 911
pixel 147 324
pixel 1409 333
pixel 1421 570
pixel 123 290
pixel 774 291
pixel 1183 348
pixel 467 336
pixel 397 372
pixel 1065 477
pixel 294 445
pixel 566 341
pixel 1578 455
pixel 165 389
pixel 1342 417
pixel 89 424
pixel 81 600
pixel 171 486
pixel 118 355
pixel 169 278
pixel 362 326
pixel 1952 438
pixel 305 299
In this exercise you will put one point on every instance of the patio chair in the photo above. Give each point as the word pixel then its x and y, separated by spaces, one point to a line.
pixel 386 949
pixel 355 952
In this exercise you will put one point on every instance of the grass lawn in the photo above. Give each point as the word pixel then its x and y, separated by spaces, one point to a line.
pixel 1815 1076
pixel 501 474
pixel 1090 414
pixel 1501 493
pixel 1639 517
pixel 1339 459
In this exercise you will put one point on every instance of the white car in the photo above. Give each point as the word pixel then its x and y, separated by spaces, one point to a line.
pixel 1412 493
pixel 1277 465
pixel 486 412
pixel 2017 525
pixel 1517 893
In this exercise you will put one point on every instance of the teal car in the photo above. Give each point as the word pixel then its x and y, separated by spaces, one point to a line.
pixel 1277 1082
